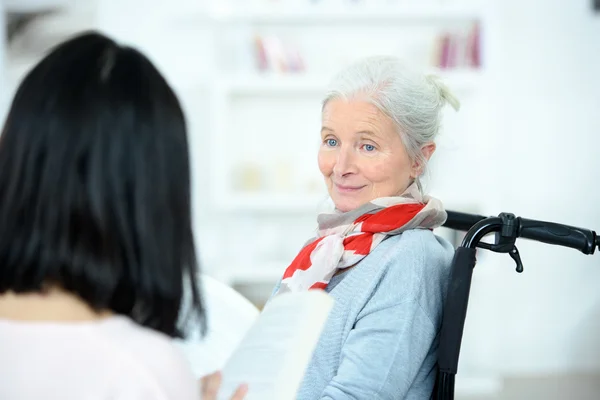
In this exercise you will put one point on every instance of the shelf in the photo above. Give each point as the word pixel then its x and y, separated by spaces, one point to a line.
pixel 247 85
pixel 347 14
pixel 273 84
pixel 272 203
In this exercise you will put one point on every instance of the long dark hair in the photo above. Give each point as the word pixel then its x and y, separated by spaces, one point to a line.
pixel 95 185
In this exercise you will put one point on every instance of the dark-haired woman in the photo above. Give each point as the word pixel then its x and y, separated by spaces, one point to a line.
pixel 96 245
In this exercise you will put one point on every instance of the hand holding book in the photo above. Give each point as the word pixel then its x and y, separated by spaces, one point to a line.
pixel 210 385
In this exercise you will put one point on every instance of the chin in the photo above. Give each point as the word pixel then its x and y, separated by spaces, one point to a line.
pixel 345 205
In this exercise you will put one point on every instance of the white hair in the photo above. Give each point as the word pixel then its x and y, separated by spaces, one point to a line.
pixel 413 101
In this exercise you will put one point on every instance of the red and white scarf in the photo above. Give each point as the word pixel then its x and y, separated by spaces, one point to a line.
pixel 343 239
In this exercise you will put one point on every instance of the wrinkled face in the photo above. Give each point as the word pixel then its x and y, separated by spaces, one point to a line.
pixel 362 156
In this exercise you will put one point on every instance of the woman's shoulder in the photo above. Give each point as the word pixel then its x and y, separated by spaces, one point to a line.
pixel 154 358
pixel 415 261
pixel 114 357
pixel 418 248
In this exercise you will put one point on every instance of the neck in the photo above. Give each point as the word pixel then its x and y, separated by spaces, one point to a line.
pixel 52 305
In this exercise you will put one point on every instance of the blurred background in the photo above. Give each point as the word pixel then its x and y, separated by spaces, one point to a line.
pixel 251 74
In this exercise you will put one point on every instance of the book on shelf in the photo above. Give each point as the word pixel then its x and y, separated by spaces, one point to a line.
pixel 453 50
pixel 273 356
pixel 275 55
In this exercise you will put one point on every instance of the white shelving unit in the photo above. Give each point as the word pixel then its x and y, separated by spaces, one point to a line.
pixel 277 88
pixel 350 13
pixel 416 12
pixel 237 85
pixel 298 84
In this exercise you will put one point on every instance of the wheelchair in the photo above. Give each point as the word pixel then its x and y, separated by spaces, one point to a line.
pixel 507 228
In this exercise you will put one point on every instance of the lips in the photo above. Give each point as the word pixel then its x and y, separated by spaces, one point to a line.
pixel 347 188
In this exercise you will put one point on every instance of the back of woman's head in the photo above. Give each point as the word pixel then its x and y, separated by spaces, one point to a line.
pixel 95 185
pixel 414 101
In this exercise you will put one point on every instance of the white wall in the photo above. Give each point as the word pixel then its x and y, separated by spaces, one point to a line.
pixel 3 83
pixel 2 36
pixel 544 70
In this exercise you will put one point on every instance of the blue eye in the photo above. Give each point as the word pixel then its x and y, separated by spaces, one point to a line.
pixel 369 147
pixel 331 142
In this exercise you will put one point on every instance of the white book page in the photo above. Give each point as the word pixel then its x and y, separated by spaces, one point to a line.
pixel 273 356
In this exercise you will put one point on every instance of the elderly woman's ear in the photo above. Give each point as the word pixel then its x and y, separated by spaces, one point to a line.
pixel 420 162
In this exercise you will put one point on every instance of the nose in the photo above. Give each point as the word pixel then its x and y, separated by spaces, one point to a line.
pixel 345 163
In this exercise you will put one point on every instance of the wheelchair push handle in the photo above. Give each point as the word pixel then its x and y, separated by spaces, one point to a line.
pixel 509 227
pixel 583 240
pixel 461 221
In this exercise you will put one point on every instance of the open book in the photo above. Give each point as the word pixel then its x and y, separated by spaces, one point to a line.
pixel 273 356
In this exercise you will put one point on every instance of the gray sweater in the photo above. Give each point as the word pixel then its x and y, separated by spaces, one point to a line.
pixel 381 339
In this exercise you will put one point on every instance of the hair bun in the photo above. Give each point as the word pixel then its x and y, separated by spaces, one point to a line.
pixel 444 91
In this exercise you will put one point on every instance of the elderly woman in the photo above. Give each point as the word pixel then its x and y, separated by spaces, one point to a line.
pixel 376 253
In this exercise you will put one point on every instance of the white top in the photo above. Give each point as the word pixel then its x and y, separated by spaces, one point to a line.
pixel 113 358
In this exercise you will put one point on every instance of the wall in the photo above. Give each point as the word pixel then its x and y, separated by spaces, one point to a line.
pixel 544 71
pixel 3 83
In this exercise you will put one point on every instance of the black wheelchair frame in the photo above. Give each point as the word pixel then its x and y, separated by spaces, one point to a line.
pixel 507 228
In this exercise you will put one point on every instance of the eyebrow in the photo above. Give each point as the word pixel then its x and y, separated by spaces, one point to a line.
pixel 363 132
pixel 368 133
